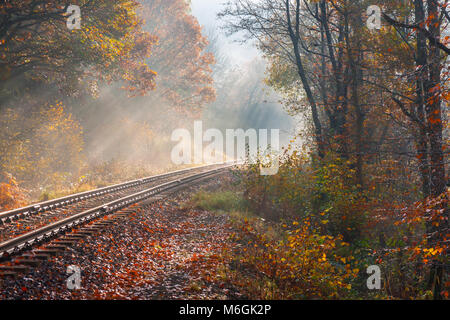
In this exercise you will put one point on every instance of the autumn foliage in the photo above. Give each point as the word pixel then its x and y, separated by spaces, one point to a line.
pixel 301 264
pixel 184 68
pixel 36 44
pixel 368 186
pixel 374 103
pixel 146 57
pixel 11 196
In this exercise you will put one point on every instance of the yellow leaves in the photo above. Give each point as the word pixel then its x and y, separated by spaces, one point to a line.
pixel 54 138
pixel 304 255
pixel 11 196
pixel 326 211
pixel 431 251
pixel 434 252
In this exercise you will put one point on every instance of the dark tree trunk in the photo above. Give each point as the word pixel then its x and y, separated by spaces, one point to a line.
pixel 421 141
pixel 434 117
pixel 294 33
pixel 355 59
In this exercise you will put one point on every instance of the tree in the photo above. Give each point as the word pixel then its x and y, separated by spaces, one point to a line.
pixel 426 112
pixel 36 45
pixel 184 79
pixel 42 149
pixel 277 27
pixel 375 97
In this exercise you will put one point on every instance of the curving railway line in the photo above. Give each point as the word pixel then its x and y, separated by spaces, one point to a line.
pixel 38 231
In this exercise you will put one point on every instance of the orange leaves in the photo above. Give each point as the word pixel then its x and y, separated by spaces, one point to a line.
pixel 50 151
pixel 11 195
pixel 446 96
pixel 111 45
pixel 302 265
pixel 185 81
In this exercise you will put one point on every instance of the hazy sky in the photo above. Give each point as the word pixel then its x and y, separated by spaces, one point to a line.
pixel 206 13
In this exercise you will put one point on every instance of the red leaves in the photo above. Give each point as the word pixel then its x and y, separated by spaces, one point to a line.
pixel 149 251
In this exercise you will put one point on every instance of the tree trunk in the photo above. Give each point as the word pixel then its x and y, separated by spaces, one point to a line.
pixel 355 58
pixel 434 118
pixel 294 36
pixel 338 118
pixel 421 140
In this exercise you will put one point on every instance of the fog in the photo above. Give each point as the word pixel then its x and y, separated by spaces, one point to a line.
pixel 60 133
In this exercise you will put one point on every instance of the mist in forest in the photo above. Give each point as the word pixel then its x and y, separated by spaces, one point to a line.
pixel 70 131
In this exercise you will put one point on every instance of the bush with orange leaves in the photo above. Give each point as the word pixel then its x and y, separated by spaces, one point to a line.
pixel 415 248
pixel 11 195
pixel 297 263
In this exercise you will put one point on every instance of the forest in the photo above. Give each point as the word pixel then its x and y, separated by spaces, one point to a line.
pixel 360 90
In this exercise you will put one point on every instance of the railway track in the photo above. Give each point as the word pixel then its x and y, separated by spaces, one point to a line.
pixel 19 252
pixel 16 222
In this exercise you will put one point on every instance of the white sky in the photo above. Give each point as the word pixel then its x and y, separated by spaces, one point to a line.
pixel 206 13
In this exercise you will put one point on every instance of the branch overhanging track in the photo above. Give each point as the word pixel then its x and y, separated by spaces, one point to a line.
pixel 23 242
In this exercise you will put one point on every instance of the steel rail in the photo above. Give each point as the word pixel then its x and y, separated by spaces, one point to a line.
pixel 24 241
pixel 78 197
